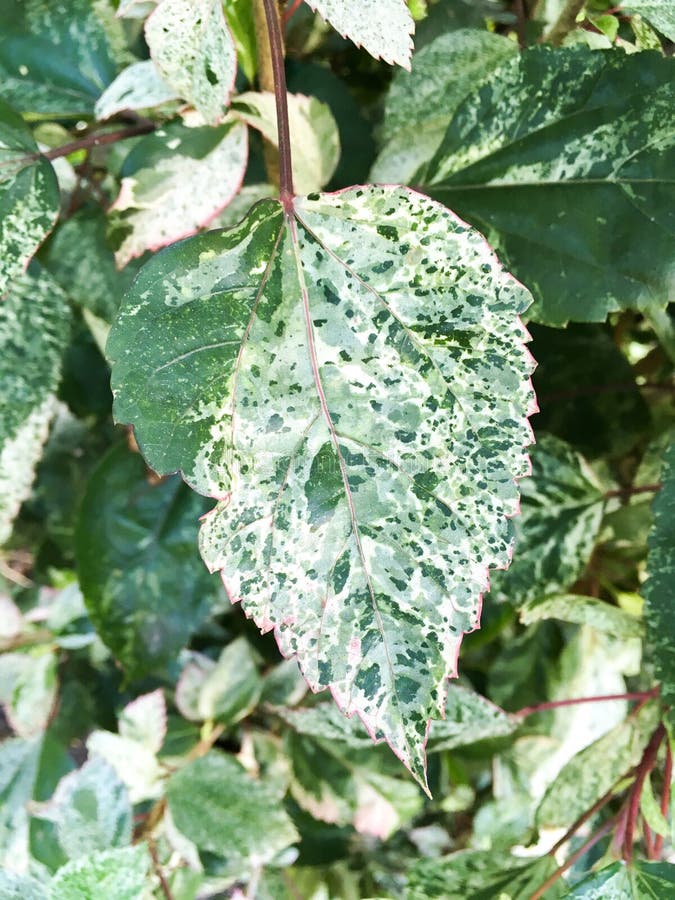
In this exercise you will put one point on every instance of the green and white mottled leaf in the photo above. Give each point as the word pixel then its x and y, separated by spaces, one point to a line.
pixel 580 610
pixel 651 810
pixel 34 327
pixel 350 379
pixel 144 585
pixel 561 513
pixel 19 765
pixel 659 13
pixel 591 773
pixel 113 874
pixel 191 45
pixel 21 887
pixel 29 196
pixel 139 86
pixel 658 589
pixel 144 720
pixel 421 103
pixel 564 160
pixel 28 690
pixel 315 141
pixel 135 9
pixel 225 691
pixel 90 809
pixel 479 875
pixel 641 881
pixel 382 27
pixel 217 806
pixel 175 181
pixel 468 718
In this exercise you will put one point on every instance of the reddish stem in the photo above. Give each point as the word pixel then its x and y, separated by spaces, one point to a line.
pixel 292 9
pixel 645 766
pixel 629 491
pixel 98 140
pixel 555 704
pixel 649 842
pixel 286 192
pixel 665 797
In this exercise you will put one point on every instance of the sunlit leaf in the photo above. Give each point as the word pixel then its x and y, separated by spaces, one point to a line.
pixel 642 881
pixel 660 13
pixel 139 86
pixel 113 874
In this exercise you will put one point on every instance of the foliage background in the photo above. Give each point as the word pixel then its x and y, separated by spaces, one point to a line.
pixel 154 743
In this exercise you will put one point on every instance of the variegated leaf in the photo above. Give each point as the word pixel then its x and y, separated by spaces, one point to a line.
pixel 660 13
pixel 193 49
pixel 29 196
pixel 349 378
pixel 564 160
pixel 175 181
pixel 382 27
pixel 139 86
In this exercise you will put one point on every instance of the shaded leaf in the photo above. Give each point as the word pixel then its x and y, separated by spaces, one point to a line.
pixel 19 763
pixel 193 49
pixel 468 718
pixel 176 180
pixel 139 86
pixel 34 326
pixel 642 881
pixel 582 611
pixel 659 13
pixel 217 806
pixel 144 720
pixel 29 196
pixel 658 589
pixel 352 374
pixel 314 136
pixel 421 103
pixel 113 874
pixel 382 27
pixel 145 587
pixel 562 159
pixel 28 690
pixel 561 512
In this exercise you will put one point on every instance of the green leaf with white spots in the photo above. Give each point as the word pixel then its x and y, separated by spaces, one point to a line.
pixel 561 513
pixel 349 378
pixel 658 589
pixel 583 611
pixel 113 874
pixel 564 160
pixel 28 690
pixel 34 329
pixel 315 141
pixel 382 27
pixel 659 13
pixel 21 887
pixel 29 196
pixel 421 103
pixel 641 881
pixel 139 86
pixel 193 49
pixel 468 718
pixel 174 182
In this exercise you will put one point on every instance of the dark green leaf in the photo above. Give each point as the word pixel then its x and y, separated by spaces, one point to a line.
pixel 643 881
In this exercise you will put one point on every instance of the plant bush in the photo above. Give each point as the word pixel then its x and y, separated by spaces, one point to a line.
pixel 327 366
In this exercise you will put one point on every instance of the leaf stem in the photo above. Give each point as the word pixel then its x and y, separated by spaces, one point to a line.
pixel 645 766
pixel 629 491
pixel 665 797
pixel 286 192
pixel 99 140
pixel 555 704
pixel 566 22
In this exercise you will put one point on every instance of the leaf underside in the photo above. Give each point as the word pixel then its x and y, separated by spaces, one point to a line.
pixel 350 380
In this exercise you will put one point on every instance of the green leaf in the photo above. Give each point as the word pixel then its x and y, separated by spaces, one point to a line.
pixel 421 103
pixel 651 810
pixel 561 514
pixel 468 718
pixel 239 15
pixel 29 196
pixel 176 180
pixel 642 881
pixel 19 763
pixel 34 325
pixel 226 690
pixel 660 13
pixel 193 49
pixel 582 611
pixel 144 585
pixel 139 86
pixel 477 875
pixel 315 141
pixel 352 373
pixel 658 589
pixel 382 27
pixel 50 69
pixel 90 809
pixel 28 690
pixel 563 158
pixel 596 769
pixel 218 807
pixel 113 874
pixel 20 887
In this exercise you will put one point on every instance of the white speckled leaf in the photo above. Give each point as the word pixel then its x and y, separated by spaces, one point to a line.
pixel 564 159
pixel 350 380
pixel 382 27
pixel 315 141
pixel 139 86
pixel 193 49
pixel 29 196
pixel 34 326
pixel 175 181
pixel 660 13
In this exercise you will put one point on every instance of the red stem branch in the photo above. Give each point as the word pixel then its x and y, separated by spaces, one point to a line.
pixel 291 10
pixel 286 192
pixel 645 766
pixel 629 491
pixel 99 140
pixel 665 797
pixel 555 704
